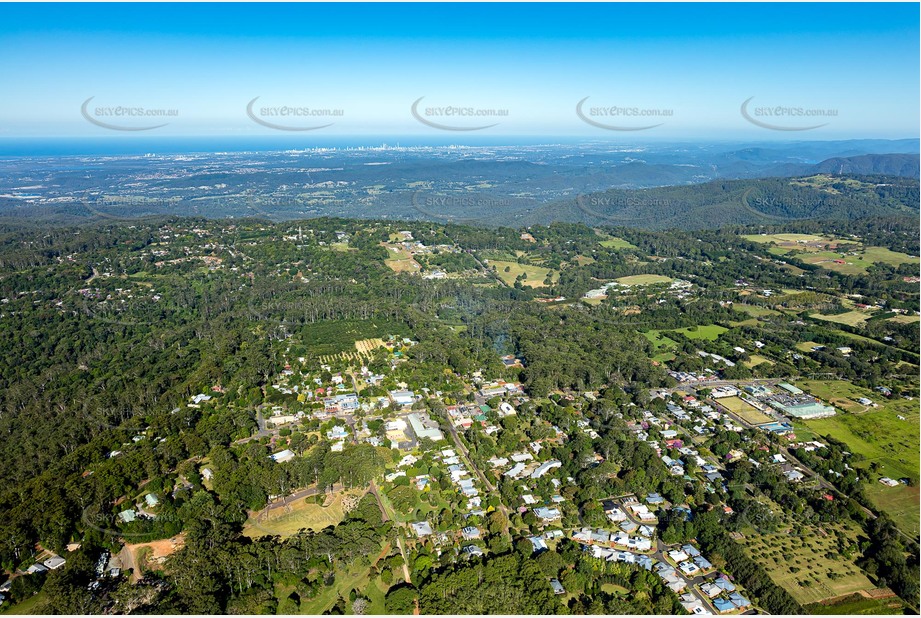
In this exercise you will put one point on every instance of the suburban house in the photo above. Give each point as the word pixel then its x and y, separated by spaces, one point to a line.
pixel 422 528
pixel 545 467
pixel 547 513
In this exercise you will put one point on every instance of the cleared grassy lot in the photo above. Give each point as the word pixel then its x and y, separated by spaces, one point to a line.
pixel 355 577
pixel 710 332
pixel 535 274
pixel 616 243
pixel 401 261
pixel 746 412
pixel 300 514
pixel 858 605
pixel 756 359
pixel 755 311
pixel 643 279
pixel 850 318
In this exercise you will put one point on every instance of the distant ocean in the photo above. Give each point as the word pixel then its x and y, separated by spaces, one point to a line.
pixel 101 146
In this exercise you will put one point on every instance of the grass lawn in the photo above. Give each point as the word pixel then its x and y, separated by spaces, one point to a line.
pixel 806 562
pixel 882 254
pixel 905 319
pixel 745 411
pixel 614 589
pixel 661 344
pixel 616 243
pixel 756 359
pixel 643 279
pixel 33 605
pixel 658 340
pixel 300 514
pixel 748 322
pixel 806 346
pixel 710 332
pixel 900 503
pixel 535 274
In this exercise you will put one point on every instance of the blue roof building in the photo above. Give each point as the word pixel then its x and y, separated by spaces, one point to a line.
pixel 722 605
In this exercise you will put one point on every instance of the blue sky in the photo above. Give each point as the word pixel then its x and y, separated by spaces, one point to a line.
pixel 693 65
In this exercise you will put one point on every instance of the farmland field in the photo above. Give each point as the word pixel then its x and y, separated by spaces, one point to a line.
pixel 793 240
pixel 796 560
pixel 900 503
pixel 821 251
pixel 643 279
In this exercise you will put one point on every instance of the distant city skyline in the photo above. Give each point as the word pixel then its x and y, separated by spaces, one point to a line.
pixel 461 73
